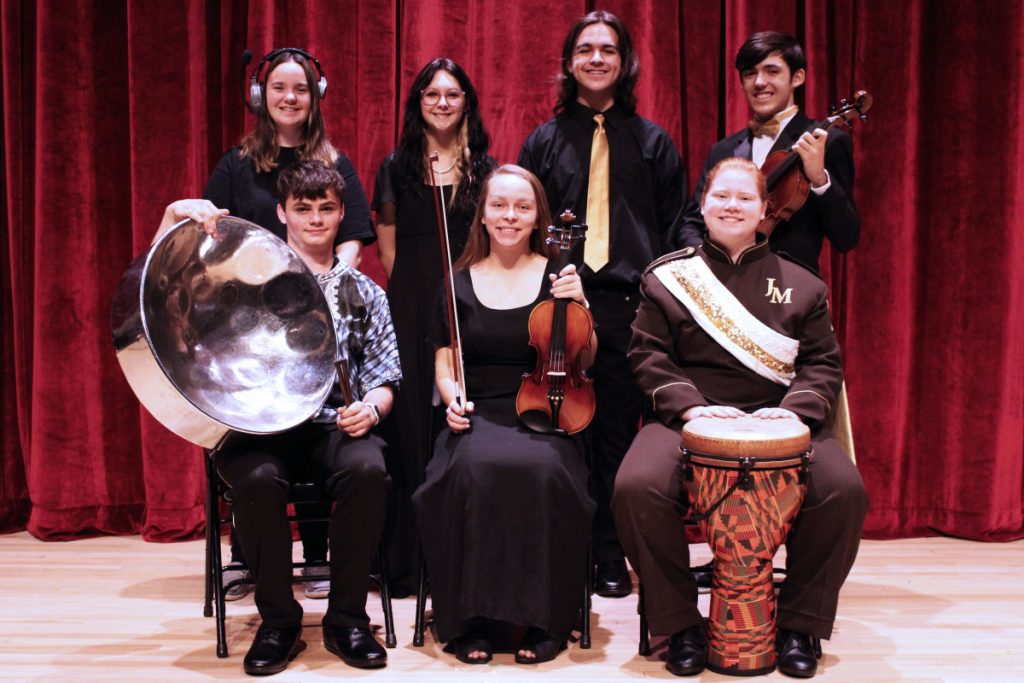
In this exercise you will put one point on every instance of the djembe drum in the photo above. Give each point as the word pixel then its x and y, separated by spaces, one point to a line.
pixel 745 479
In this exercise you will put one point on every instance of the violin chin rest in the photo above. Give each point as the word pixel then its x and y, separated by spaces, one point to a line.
pixel 539 421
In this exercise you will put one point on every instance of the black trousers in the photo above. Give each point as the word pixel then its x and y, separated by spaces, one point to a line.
pixel 619 402
pixel 820 549
pixel 259 470
pixel 312 534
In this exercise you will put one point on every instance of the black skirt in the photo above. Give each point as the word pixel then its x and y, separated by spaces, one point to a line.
pixel 504 515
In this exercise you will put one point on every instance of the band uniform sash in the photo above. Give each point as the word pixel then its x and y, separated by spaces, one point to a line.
pixel 769 353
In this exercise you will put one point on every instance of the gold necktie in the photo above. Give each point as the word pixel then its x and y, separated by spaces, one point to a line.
pixel 595 249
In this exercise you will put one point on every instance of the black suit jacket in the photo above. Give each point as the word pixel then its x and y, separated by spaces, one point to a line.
pixel 832 215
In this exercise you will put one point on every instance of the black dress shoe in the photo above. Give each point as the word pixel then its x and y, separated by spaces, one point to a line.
pixel 611 580
pixel 687 651
pixel 798 653
pixel 272 649
pixel 356 646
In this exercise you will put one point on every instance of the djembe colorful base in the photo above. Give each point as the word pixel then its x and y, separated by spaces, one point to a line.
pixel 745 479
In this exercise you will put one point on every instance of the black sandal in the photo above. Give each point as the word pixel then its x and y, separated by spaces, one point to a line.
pixel 474 638
pixel 543 646
pixel 467 644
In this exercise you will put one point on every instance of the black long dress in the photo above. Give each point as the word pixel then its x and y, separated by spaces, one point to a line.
pixel 504 512
pixel 415 278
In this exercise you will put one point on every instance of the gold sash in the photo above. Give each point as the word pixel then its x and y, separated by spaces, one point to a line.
pixel 760 348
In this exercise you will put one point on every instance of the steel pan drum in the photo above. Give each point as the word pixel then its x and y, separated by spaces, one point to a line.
pixel 230 332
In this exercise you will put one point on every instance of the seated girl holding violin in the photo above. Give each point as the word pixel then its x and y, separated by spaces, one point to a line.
pixel 504 512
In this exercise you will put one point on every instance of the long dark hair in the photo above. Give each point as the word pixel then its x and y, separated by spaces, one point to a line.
pixel 410 155
pixel 260 144
pixel 624 96
pixel 478 246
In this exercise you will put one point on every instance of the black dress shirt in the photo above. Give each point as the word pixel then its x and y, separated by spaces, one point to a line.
pixel 237 186
pixel 647 186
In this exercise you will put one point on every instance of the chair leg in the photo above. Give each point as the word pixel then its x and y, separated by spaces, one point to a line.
pixel 216 563
pixel 208 552
pixel 390 639
pixel 645 633
pixel 421 604
pixel 587 586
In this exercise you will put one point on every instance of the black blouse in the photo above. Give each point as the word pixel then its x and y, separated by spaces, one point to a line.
pixel 496 347
pixel 237 186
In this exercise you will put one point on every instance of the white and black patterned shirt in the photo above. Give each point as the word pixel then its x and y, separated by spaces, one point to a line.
pixel 366 337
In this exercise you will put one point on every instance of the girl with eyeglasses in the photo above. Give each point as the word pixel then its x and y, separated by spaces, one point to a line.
pixel 442 116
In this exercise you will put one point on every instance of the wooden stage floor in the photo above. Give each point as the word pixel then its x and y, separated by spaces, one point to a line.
pixel 119 609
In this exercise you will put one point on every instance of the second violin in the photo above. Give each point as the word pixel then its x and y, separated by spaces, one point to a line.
pixel 556 397
pixel 788 186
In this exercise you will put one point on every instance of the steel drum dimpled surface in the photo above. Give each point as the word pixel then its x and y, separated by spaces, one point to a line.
pixel 236 325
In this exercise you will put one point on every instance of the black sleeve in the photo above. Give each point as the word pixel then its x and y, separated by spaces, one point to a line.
pixel 356 224
pixel 383 185
pixel 692 228
pixel 838 215
pixel 218 187
pixel 526 154
pixel 670 193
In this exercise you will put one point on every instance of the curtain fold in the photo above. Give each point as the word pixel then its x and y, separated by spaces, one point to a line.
pixel 111 110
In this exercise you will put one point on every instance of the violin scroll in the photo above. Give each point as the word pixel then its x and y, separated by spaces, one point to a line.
pixel 847 112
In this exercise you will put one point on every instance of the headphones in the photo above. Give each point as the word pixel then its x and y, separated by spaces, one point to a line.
pixel 255 101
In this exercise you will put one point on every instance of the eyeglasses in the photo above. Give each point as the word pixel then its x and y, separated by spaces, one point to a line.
pixel 453 97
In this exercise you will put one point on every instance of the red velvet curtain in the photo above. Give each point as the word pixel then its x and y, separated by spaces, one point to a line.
pixel 111 110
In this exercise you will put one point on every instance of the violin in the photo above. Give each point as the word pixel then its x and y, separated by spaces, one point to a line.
pixel 787 183
pixel 556 397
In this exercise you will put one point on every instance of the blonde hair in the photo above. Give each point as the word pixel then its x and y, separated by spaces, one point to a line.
pixel 739 164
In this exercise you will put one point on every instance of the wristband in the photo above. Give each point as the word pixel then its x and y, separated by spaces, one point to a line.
pixel 376 412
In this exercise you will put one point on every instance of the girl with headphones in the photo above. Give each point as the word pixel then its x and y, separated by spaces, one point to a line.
pixel 289 127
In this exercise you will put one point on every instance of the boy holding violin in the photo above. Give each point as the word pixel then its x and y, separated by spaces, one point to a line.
pixel 772 66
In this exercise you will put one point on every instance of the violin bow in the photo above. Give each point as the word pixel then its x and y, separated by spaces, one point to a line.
pixel 449 284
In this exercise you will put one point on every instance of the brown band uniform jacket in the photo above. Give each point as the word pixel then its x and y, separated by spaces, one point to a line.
pixel 679 366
